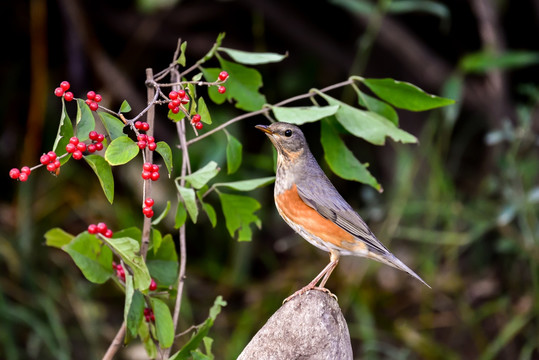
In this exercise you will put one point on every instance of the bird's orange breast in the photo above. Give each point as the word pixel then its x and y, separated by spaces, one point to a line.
pixel 291 206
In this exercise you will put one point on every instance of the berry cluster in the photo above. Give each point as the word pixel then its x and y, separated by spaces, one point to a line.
pixel 150 171
pixel 50 160
pixel 100 228
pixel 223 75
pixel 149 315
pixel 21 174
pixel 120 272
pixel 195 120
pixel 142 125
pixel 62 91
pixel 177 99
pixel 145 140
pixel 147 207
pixel 92 100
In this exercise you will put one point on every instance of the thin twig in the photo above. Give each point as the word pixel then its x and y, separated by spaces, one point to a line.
pixel 116 343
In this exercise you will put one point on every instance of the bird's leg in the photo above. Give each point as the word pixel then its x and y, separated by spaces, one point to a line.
pixel 324 275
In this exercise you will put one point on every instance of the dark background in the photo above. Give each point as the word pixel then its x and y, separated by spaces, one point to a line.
pixel 459 211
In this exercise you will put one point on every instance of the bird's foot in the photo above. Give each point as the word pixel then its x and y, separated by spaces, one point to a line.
pixel 323 289
pixel 307 289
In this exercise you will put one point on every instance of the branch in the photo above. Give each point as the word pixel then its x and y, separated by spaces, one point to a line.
pixel 116 343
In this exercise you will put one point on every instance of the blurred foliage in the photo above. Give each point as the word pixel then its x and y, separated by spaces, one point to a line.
pixel 461 208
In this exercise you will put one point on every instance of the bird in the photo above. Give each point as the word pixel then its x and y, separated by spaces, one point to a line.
pixel 310 204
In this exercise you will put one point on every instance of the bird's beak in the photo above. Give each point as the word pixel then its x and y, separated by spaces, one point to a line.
pixel 265 129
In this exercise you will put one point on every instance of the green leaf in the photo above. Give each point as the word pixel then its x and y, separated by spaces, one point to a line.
pixel 166 153
pixel 65 132
pixel 181 215
pixel 57 238
pixel 85 120
pixel 239 214
pixel 422 6
pixel 121 150
pixel 181 58
pixel 131 232
pixel 200 177
pixel 405 95
pixel 368 125
pixel 113 125
pixel 210 211
pixel 125 107
pixel 92 257
pixel 191 90
pixel 214 48
pixel 163 323
pixel 210 75
pixel 483 61
pixel 233 153
pixel 159 218
pixel 377 106
pixel 155 240
pixel 163 264
pixel 247 185
pixel 147 340
pixel 104 173
pixel 134 307
pixel 203 111
pixel 341 160
pixel 189 199
pixel 129 250
pixel 303 114
pixel 251 58
pixel 217 306
pixel 242 86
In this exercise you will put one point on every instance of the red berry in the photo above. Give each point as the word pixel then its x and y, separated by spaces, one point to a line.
pixel 51 167
pixel 100 137
pixel 145 126
pixel 176 102
pixel 92 135
pixel 221 89
pixel 223 75
pixel 88 101
pixel 52 155
pixel 93 106
pixel 152 317
pixel 92 229
pixel 141 144
pixel 58 91
pixel 57 163
pixel 77 155
pixel 91 148
pixel 175 110
pixel 153 285
pixel 98 98
pixel 199 125
pixel 102 228
pixel 148 212
pixel 172 95
pixel 196 118
pixel 150 139
pixel 181 93
pixel 155 168
pixel 99 146
pixel 185 99
pixel 70 148
pixel 142 137
pixel 44 159
pixel 149 202
pixel 65 85
pixel 26 170
pixel 138 124
pixel 68 96
pixel 74 140
pixel 90 95
pixel 155 176
pixel 108 233
pixel 152 146
pixel 147 166
pixel 81 146
pixel 171 105
pixel 146 175
pixel 14 173
pixel 23 177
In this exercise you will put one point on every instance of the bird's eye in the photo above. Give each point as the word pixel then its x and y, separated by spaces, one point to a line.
pixel 288 133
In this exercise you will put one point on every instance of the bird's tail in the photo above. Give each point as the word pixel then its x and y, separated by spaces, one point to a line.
pixel 391 260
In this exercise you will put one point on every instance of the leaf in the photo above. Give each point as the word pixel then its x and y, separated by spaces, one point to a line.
pixel 85 120
pixel 159 218
pixel 233 153
pixel 251 58
pixel 405 95
pixel 163 323
pixel 155 240
pixel 483 61
pixel 181 215
pixel 218 304
pixel 377 106
pixel 368 125
pixel 342 161
pixel 181 58
pixel 125 107
pixel 189 199
pixel 121 150
pixel 104 173
pixel 163 264
pixel 166 153
pixel 303 114
pixel 239 214
pixel 65 132
pixel 129 250
pixel 113 125
pixel 210 74
pixel 210 211
pixel 203 111
pixel 200 177
pixel 247 185
pixel 57 238
pixel 131 232
pixel 91 256
pixel 424 6
pixel 191 90
pixel 214 48
pixel 134 307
